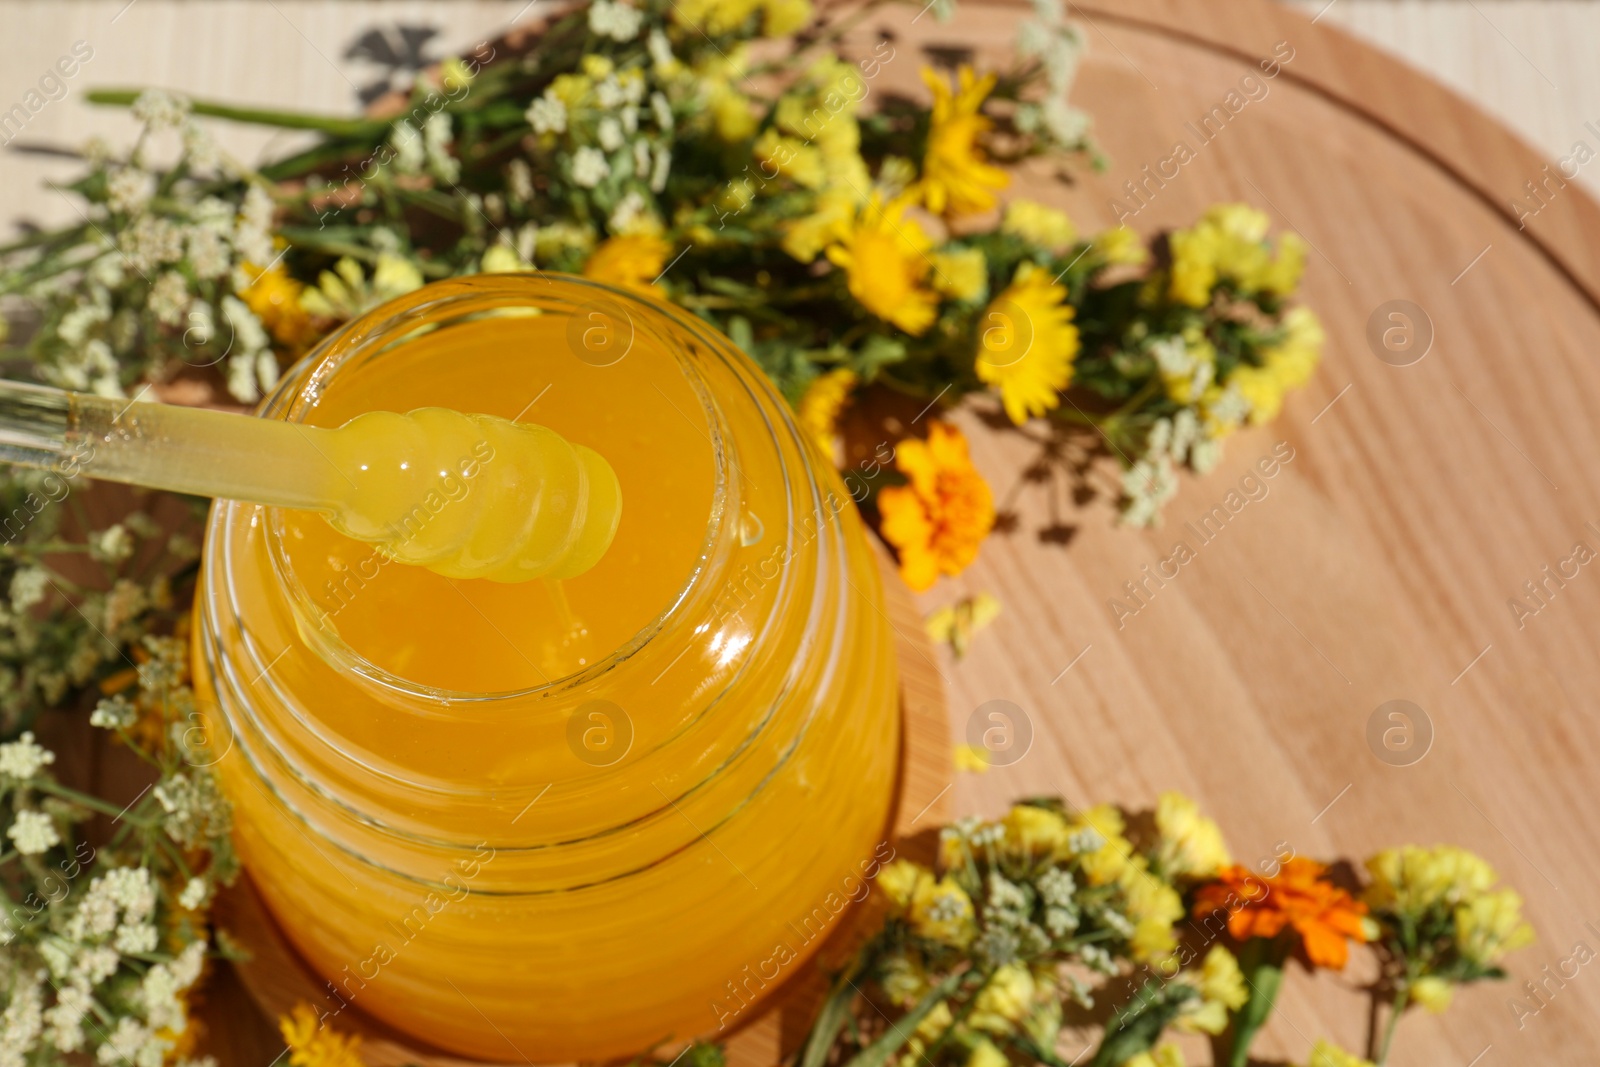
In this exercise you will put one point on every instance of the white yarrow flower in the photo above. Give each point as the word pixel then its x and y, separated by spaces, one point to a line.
pixel 548 114
pixel 128 189
pixel 614 20
pixel 589 167
pixel 409 151
pixel 160 110
pixel 33 832
pixel 610 134
pixel 194 894
pixel 28 587
pixel 23 758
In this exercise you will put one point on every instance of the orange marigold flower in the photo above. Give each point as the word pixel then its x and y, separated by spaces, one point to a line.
pixel 936 522
pixel 1326 917
pixel 273 296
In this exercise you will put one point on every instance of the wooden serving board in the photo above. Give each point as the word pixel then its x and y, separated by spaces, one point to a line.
pixel 1379 563
pixel 275 977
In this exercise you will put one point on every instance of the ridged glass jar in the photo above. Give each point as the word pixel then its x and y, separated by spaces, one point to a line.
pixel 540 822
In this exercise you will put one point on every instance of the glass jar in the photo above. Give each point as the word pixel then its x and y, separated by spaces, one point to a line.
pixel 557 820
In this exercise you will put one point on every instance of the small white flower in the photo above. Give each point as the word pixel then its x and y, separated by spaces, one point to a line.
pixel 610 93
pixel 168 297
pixel 630 120
pixel 589 167
pixel 252 231
pixel 1146 486
pixel 97 964
pixel 1204 454
pixel 208 251
pixel 436 134
pixel 519 180
pixel 194 893
pixel 22 1022
pixel 660 49
pixel 135 938
pixel 663 167
pixel 614 20
pixel 610 134
pixel 641 157
pixel 65 1017
pixel 128 189
pixel 28 587
pixel 23 758
pixel 548 114
pixel 96 152
pixel 34 832
pixel 662 110
pixel 409 151
pixel 160 110
pixel 200 148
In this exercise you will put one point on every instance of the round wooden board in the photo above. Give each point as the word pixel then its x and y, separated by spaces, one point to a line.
pixel 275 977
pixel 1379 563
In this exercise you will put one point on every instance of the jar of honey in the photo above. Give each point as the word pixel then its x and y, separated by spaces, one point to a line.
pixel 564 819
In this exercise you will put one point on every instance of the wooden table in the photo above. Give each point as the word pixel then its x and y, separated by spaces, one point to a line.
pixel 1379 564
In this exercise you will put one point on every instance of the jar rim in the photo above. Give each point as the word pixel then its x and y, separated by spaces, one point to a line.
pixel 384 328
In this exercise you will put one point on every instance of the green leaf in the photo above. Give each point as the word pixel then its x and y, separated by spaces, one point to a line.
pixel 893 1039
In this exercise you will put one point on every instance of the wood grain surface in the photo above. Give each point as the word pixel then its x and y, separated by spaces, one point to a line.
pixel 1378 563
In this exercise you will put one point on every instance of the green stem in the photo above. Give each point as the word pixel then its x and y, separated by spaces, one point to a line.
pixel 1398 1008
pixel 1262 961
pixel 288 120
pixel 90 802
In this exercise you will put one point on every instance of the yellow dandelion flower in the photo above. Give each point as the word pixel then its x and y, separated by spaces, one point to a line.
pixel 885 256
pixel 956 177
pixel 1038 224
pixel 273 296
pixel 819 408
pixel 1026 344
pixel 961 274
pixel 631 261
pixel 941 911
pixel 312 1044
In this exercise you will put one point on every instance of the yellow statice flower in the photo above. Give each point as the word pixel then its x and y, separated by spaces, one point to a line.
pixel 1412 878
pixel 961 274
pixel 986 1054
pixel 1036 223
pixel 1295 358
pixel 631 261
pixel 714 16
pixel 345 291
pixel 1004 1001
pixel 571 89
pixel 313 1045
pixel 780 18
pixel 1105 852
pixel 1433 993
pixel 502 259
pixel 1326 1054
pixel 1026 344
pixel 956 625
pixel 1491 925
pixel 819 408
pixel 1194 267
pixel 832 217
pixel 1161 1056
pixel 1191 845
pixel 1037 833
pixel 885 256
pixel 956 177
pixel 1262 388
pixel 1222 410
pixel 1120 246
pixel 273 296
pixel 1153 906
pixel 1282 275
pixel 791 157
pixel 941 911
pixel 974 759
pixel 899 880
pixel 1222 990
